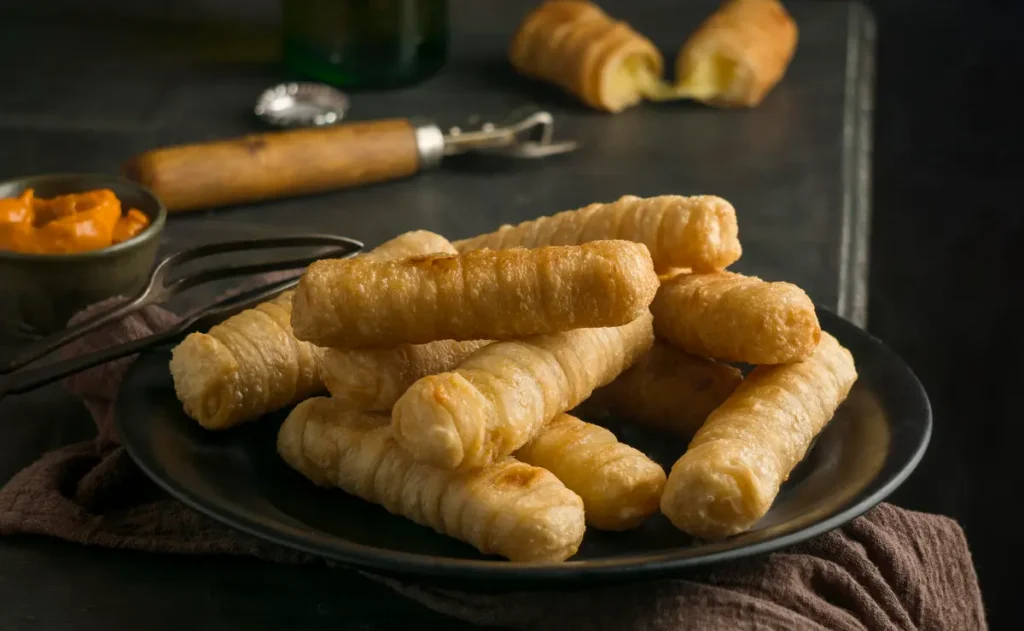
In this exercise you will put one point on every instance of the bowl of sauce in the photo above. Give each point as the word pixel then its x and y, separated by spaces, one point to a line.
pixel 70 240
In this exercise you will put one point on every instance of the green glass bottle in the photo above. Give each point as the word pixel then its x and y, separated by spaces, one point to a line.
pixel 365 43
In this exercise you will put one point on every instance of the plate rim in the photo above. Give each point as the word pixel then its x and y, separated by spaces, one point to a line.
pixel 646 565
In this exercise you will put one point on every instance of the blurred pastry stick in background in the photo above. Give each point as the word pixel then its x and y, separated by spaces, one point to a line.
pixel 578 47
pixel 732 471
pixel 373 379
pixel 252 364
pixel 502 395
pixel 698 232
pixel 486 295
pixel 619 485
pixel 667 389
pixel 736 318
pixel 738 54
pixel 518 511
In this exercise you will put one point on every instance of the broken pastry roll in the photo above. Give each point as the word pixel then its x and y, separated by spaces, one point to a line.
pixel 698 232
pixel 373 379
pixel 578 47
pixel 619 485
pixel 252 364
pixel 736 318
pixel 667 389
pixel 502 395
pixel 518 511
pixel 485 295
pixel 738 54
pixel 735 465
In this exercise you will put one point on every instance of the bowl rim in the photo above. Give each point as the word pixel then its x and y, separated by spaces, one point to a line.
pixel 150 232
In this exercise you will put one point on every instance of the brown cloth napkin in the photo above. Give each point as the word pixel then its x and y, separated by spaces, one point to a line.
pixel 890 569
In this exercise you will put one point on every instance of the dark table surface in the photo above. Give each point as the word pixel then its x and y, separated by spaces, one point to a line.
pixel 796 169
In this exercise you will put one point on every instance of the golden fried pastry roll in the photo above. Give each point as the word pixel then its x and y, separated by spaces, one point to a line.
pixel 509 508
pixel 697 232
pixel 245 367
pixel 373 379
pixel 414 243
pixel 503 394
pixel 738 54
pixel 667 389
pixel 576 46
pixel 485 295
pixel 619 485
pixel 736 318
pixel 732 471
pixel 252 364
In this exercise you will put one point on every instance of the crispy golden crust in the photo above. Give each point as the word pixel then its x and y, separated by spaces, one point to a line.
pixel 619 485
pixel 732 471
pixel 373 379
pixel 525 42
pixel 244 367
pixel 579 48
pixel 509 508
pixel 485 295
pixel 501 396
pixel 667 389
pixel 738 54
pixel 414 243
pixel 736 318
pixel 698 232
pixel 252 364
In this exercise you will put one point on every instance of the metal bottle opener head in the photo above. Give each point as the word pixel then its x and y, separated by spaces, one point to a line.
pixel 526 133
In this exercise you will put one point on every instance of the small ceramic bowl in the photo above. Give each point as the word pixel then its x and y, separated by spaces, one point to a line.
pixel 48 289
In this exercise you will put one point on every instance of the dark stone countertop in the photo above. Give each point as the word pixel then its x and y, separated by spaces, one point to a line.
pixel 796 169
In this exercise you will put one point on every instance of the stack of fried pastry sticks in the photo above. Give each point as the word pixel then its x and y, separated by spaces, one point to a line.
pixel 452 368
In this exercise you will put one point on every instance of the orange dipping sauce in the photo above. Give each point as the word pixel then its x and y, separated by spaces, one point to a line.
pixel 78 222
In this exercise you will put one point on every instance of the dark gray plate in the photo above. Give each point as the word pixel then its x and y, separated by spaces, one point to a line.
pixel 875 440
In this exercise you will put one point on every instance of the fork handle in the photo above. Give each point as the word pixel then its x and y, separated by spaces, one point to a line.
pixel 286 163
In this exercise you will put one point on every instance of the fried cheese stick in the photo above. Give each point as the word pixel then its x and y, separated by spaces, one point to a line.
pixel 486 295
pixel 373 379
pixel 502 395
pixel 509 508
pixel 738 54
pixel 667 389
pixel 251 363
pixel 736 318
pixel 698 232
pixel 578 47
pixel 619 485
pixel 735 465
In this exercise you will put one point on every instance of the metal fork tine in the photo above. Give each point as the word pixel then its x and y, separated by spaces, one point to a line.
pixel 234 304
pixel 213 249
pixel 197 278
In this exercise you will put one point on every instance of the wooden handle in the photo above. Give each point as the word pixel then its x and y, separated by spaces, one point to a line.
pixel 277 164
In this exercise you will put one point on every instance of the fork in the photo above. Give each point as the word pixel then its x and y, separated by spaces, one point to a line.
pixel 161 287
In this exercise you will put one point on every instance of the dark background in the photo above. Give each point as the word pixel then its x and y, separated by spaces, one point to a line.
pixel 944 290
